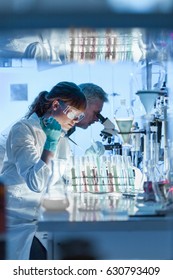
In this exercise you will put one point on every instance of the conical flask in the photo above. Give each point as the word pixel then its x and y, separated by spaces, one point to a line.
pixel 55 197
pixel 124 118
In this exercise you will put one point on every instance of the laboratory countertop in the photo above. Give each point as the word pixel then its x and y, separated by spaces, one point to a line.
pixel 115 226
pixel 110 211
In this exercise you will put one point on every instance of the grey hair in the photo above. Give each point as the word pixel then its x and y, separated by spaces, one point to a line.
pixel 93 92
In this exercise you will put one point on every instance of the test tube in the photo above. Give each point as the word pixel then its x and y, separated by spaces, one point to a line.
pixel 120 173
pixel 94 174
pixel 88 173
pixel 115 173
pixel 110 174
pixel 83 174
pixel 104 173
pixel 73 174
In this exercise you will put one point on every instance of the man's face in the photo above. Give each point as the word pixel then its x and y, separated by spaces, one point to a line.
pixel 91 114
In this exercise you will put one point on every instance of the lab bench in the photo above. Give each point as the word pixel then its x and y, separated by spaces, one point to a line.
pixel 108 226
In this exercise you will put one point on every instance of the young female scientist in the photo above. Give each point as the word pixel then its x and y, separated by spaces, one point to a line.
pixel 30 148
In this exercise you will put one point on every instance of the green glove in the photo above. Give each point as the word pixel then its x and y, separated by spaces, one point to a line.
pixel 52 130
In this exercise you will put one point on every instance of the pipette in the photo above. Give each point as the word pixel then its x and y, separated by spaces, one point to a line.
pixel 76 144
pixel 65 134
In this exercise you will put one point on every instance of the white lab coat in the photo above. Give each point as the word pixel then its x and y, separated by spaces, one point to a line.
pixel 2 150
pixel 26 177
pixel 3 139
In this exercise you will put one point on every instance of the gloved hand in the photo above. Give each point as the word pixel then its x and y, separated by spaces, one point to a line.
pixel 97 148
pixel 52 130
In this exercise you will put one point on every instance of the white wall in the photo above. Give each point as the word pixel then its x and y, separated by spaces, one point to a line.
pixel 112 77
pixel 12 110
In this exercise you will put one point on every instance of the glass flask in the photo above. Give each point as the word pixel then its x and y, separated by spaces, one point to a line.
pixel 124 118
pixel 55 197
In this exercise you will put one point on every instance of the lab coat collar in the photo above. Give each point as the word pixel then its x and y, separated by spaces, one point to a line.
pixel 35 120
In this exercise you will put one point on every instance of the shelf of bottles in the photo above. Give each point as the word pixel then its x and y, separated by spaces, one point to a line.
pixel 117 44
pixel 87 44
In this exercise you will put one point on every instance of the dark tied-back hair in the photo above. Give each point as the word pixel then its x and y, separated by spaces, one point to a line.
pixel 68 92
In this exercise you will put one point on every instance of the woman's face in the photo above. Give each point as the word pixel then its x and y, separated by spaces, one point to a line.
pixel 66 115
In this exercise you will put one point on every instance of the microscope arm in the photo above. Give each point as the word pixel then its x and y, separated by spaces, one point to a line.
pixel 109 128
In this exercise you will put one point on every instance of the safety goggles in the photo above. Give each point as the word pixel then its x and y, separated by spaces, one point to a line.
pixel 71 112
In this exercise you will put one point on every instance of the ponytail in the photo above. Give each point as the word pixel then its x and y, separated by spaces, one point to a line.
pixel 40 105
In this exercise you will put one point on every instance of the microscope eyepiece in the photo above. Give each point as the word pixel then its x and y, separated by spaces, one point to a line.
pixel 101 118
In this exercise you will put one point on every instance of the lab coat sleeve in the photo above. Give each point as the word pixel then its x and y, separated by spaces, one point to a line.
pixel 2 152
pixel 24 147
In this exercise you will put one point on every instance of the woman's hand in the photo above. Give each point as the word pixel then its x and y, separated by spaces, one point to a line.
pixel 52 130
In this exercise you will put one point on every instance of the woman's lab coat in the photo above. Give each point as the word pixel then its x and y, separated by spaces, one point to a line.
pixel 2 150
pixel 26 177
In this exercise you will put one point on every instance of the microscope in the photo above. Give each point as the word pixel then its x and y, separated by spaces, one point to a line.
pixel 108 133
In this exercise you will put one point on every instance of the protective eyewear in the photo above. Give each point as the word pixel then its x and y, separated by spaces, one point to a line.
pixel 71 112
